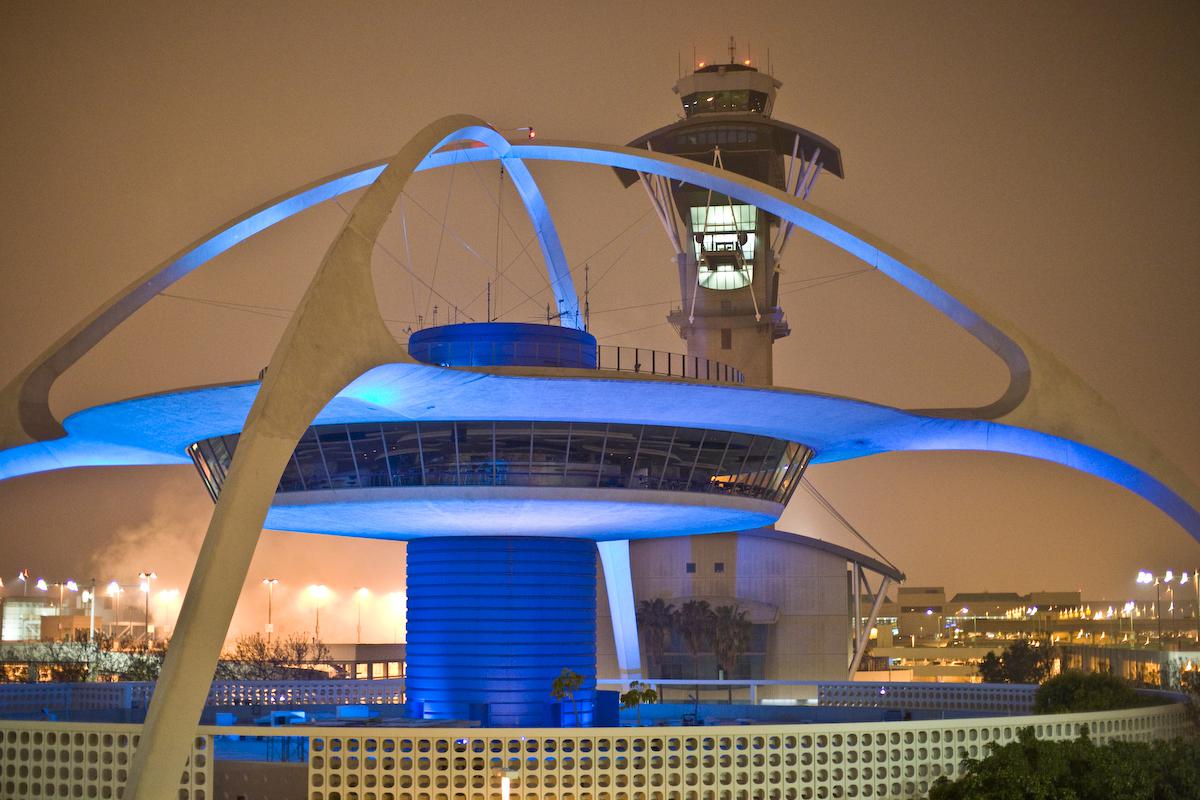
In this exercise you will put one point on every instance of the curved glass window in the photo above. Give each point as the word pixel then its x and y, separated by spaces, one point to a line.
pixel 549 454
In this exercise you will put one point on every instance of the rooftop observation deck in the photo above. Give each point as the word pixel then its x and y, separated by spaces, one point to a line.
pixel 495 344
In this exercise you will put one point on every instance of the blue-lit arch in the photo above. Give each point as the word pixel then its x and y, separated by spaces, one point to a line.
pixel 1099 443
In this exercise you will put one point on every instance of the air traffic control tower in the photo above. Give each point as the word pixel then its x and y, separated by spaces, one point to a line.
pixel 728 253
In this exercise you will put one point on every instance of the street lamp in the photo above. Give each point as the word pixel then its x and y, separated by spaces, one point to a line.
pixel 67 585
pixel 360 594
pixel 114 591
pixel 319 591
pixel 270 584
pixel 144 579
pixel 23 577
pixel 89 598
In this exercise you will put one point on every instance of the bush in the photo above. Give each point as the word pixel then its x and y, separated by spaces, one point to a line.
pixel 1022 661
pixel 1075 691
pixel 1029 768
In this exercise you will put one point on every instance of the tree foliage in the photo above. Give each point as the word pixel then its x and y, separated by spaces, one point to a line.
pixel 1030 769
pixel 694 621
pixel 564 688
pixel 1189 684
pixel 1023 661
pixel 638 694
pixel 655 619
pixel 294 657
pixel 1075 691
pixel 730 636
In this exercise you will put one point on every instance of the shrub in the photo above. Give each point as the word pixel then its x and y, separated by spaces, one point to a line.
pixel 1075 691
pixel 1029 768
pixel 1022 661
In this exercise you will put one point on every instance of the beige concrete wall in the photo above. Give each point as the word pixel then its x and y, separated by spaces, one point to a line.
pixel 750 349
pixel 809 587
pixel 810 638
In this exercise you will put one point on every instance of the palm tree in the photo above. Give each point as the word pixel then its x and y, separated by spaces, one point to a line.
pixel 730 636
pixel 564 688
pixel 695 620
pixel 655 618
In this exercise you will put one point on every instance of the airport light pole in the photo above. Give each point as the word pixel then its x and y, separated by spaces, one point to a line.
pixel 319 591
pixel 359 595
pixel 270 584
pixel 114 591
pixel 144 579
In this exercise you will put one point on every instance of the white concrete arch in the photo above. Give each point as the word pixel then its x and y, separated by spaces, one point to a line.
pixel 304 374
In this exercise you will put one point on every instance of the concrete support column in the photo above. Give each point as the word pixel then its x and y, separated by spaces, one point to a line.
pixel 618 581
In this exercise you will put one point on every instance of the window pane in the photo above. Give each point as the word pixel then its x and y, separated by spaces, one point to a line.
pixel 683 456
pixel 339 461
pixel 735 457
pixel 549 453
pixel 312 466
pixel 709 463
pixel 437 443
pixel 766 470
pixel 366 441
pixel 512 453
pixel 619 449
pixel 583 466
pixel 652 457
pixel 403 453
pixel 476 466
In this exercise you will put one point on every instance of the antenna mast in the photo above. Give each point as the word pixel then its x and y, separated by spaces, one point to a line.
pixel 587 290
pixel 732 50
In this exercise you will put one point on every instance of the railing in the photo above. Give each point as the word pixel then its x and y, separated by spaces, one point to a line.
pixel 577 355
pixel 876 759
pixel 997 698
pixel 306 693
pixel 672 365
pixel 31 698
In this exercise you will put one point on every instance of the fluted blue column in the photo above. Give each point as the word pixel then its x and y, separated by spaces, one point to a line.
pixel 493 620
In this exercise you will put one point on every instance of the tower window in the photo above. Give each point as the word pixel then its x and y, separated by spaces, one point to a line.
pixel 726 338
pixel 724 238
pixel 690 567
pixel 718 567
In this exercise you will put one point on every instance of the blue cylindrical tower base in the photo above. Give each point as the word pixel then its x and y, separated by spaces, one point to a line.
pixel 492 621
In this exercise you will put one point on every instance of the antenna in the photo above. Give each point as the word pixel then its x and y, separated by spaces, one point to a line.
pixel 732 50
pixel 587 291
pixel 693 56
pixel 489 301
pixel 678 65
pixel 769 70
